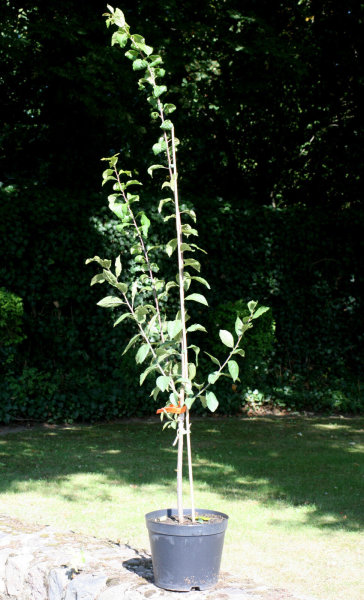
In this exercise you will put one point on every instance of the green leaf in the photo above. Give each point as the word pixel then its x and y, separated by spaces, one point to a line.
pixel 251 305
pixel 119 18
pixel 160 72
pixel 155 393
pixel 197 298
pixel 139 64
pixel 153 102
pixel 170 285
pixel 211 401
pixel 119 38
pixel 169 108
pixel 198 248
pixel 163 382
pixel 98 279
pixel 190 213
pixel 169 184
pixel 173 398
pixel 105 263
pixel 233 369
pixel 146 49
pixel 188 230
pixel 145 224
pixel 166 125
pixel 154 167
pixel 191 262
pixel 133 182
pixel 132 54
pixel 196 327
pixel 137 39
pixel 122 318
pixel 184 247
pixel 191 371
pixel 157 148
pixel 155 57
pixel 189 400
pixel 142 353
pixel 118 266
pixel 226 338
pixel 213 377
pixel 171 247
pixel 214 360
pixel 106 174
pixel 110 302
pixel 159 90
pixel 196 350
pixel 110 278
pixel 261 310
pixel 239 351
pixel 123 287
pixel 155 60
pixel 146 373
pixel 163 202
pixel 131 343
pixel 134 290
pixel 187 283
pixel 201 280
pixel 238 326
pixel 117 208
pixel 132 198
pixel 174 328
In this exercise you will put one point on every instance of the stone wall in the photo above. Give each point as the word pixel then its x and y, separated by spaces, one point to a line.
pixel 41 563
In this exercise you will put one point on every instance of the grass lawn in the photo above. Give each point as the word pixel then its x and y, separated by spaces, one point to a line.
pixel 293 488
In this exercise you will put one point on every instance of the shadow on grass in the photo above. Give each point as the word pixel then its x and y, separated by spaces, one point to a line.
pixel 313 462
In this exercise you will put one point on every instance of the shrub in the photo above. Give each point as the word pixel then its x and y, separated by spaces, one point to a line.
pixel 11 325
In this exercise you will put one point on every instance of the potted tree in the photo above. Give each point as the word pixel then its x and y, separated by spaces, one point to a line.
pixel 186 544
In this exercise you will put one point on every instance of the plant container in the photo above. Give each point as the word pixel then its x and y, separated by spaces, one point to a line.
pixel 187 556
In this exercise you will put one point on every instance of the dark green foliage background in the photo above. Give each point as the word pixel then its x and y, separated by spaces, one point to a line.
pixel 270 158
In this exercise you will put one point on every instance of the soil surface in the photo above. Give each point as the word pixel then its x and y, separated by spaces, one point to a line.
pixel 201 519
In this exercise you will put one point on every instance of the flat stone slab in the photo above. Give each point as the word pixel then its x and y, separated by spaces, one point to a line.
pixel 42 563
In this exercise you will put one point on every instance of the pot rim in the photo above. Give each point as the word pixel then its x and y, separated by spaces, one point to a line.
pixel 185 530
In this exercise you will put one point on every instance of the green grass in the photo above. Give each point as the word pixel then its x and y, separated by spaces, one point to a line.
pixel 293 488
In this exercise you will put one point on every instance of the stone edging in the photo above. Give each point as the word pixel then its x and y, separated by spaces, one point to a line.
pixel 45 564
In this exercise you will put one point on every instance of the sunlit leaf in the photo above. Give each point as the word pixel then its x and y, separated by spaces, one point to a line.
pixel 196 327
pixel 163 382
pixel 260 311
pixel 197 298
pixel 211 401
pixel 142 353
pixel 110 302
pixel 226 338
pixel 233 369
pixel 98 279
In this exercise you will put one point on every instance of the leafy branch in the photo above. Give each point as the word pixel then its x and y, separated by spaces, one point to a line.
pixel 162 341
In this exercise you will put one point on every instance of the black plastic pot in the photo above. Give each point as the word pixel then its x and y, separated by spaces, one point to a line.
pixel 186 557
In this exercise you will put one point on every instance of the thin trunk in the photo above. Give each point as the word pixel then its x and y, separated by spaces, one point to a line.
pixel 184 355
pixel 179 467
pixel 190 472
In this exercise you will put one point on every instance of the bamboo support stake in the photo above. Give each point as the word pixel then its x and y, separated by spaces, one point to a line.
pixel 190 470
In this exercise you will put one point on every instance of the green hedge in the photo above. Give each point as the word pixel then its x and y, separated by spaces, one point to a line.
pixel 68 364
